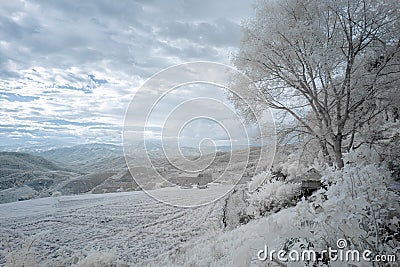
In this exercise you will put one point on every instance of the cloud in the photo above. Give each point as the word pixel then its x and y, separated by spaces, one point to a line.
pixel 68 69
pixel 220 32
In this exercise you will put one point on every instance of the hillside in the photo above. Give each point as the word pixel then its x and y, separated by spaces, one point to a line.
pixel 131 221
pixel 101 168
pixel 88 157
pixel 26 162
pixel 24 176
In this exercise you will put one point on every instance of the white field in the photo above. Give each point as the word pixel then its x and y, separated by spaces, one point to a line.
pixel 133 225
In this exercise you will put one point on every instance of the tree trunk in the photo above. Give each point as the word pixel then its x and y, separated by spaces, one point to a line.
pixel 325 152
pixel 337 150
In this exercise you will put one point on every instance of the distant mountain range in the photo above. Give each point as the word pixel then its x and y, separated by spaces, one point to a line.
pixel 96 168
pixel 87 158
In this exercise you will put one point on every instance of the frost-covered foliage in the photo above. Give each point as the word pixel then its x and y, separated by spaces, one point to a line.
pixel 393 157
pixel 96 259
pixel 390 147
pixel 288 161
pixel 356 206
pixel 234 208
pixel 291 166
pixel 259 179
pixel 246 203
pixel 293 160
pixel 329 81
pixel 273 196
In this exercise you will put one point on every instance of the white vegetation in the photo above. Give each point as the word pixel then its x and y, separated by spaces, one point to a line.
pixel 273 196
pixel 356 206
pixel 258 179
pixel 73 230
pixel 330 68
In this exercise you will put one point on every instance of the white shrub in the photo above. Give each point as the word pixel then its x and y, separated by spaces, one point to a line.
pixel 356 206
pixel 258 180
pixel 97 259
pixel 272 196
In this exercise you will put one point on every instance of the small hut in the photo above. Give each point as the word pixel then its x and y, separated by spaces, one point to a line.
pixel 187 178
pixel 310 182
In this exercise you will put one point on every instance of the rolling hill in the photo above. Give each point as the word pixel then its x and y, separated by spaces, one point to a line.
pixel 101 168
pixel 24 176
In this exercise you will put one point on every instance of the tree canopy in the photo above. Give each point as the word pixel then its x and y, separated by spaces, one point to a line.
pixel 329 67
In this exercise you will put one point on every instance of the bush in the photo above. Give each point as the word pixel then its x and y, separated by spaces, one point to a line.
pixel 357 206
pixel 272 197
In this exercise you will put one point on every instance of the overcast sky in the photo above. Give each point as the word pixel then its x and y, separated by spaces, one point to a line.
pixel 68 69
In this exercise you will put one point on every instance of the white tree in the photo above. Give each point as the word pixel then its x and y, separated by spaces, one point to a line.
pixel 332 65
